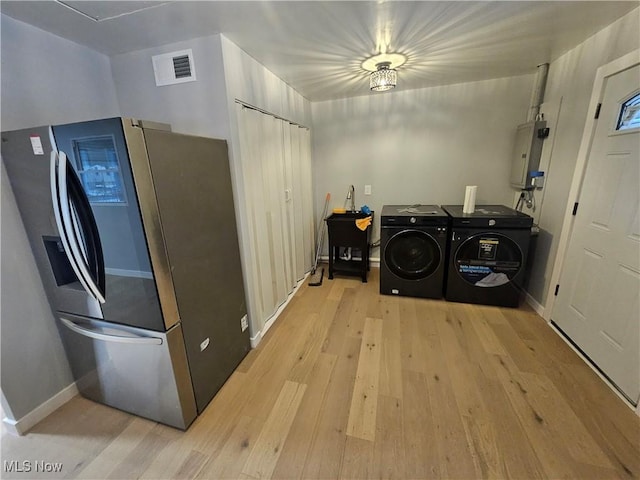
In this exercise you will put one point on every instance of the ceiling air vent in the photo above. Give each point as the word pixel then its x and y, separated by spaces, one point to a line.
pixel 174 67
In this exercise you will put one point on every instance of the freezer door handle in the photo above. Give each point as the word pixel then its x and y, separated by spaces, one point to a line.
pixel 56 198
pixel 85 232
pixel 82 244
pixel 138 340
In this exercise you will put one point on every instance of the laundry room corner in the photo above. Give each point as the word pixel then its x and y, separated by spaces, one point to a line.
pixel 419 146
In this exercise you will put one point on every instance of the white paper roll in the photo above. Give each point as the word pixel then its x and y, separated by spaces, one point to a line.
pixel 470 199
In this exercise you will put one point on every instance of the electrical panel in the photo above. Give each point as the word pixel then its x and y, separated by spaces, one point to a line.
pixel 527 151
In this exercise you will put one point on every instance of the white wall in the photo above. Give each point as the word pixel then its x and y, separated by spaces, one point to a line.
pixel 45 80
pixel 195 108
pixel 249 81
pixel 419 146
pixel 569 85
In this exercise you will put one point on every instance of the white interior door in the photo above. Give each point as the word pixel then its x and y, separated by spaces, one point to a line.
pixel 598 298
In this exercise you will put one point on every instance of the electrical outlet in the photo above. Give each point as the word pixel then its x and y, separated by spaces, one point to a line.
pixel 244 323
pixel 367 189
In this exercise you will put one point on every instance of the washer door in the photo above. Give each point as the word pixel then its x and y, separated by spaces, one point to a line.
pixel 412 255
pixel 488 260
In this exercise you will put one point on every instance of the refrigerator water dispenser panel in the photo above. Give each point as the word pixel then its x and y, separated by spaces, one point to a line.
pixel 60 265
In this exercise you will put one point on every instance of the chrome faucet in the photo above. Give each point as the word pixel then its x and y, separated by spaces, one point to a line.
pixel 351 195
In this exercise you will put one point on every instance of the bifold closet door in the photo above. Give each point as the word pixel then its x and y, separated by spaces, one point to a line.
pixel 299 170
pixel 293 273
pixel 262 172
pixel 273 182
pixel 298 194
pixel 276 168
pixel 308 227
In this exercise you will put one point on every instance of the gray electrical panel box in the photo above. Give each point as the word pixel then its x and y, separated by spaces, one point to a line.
pixel 526 153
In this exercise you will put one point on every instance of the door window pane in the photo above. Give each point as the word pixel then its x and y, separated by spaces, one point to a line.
pixel 629 114
pixel 99 170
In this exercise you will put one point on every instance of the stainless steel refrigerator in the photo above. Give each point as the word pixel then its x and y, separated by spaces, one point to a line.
pixel 134 233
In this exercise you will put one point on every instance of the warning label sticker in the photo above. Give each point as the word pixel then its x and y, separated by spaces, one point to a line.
pixel 36 145
pixel 487 248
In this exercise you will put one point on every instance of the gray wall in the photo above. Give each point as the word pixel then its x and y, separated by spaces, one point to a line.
pixel 45 79
pixel 195 108
pixel 569 85
pixel 419 146
pixel 30 342
pixel 206 107
pixel 249 81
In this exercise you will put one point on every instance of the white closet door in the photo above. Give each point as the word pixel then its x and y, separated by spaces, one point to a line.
pixel 273 187
pixel 298 195
pixel 275 159
pixel 288 223
pixel 252 158
pixel 307 198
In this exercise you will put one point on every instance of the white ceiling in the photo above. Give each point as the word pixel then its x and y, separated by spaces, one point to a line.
pixel 317 47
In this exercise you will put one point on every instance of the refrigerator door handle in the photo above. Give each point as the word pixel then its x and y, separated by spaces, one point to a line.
pixel 57 211
pixel 68 225
pixel 86 232
pixel 69 217
pixel 138 340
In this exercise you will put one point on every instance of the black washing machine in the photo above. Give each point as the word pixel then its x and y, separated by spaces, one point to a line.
pixel 413 242
pixel 487 255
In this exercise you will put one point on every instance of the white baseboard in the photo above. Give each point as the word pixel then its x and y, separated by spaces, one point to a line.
pixel 255 340
pixel 24 424
pixel 10 426
pixel 533 303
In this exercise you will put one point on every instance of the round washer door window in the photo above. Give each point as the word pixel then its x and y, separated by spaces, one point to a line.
pixel 412 255
pixel 488 260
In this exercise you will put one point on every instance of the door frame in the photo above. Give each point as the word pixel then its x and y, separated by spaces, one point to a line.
pixel 626 61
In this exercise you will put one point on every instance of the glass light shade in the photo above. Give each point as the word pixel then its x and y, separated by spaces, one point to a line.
pixel 384 78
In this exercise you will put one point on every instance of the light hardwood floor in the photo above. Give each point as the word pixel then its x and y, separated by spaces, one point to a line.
pixel 352 384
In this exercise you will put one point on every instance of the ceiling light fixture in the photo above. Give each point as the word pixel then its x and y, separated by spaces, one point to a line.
pixel 384 78
pixel 384 75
